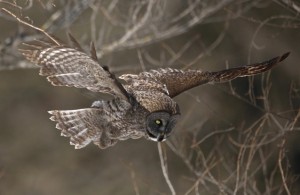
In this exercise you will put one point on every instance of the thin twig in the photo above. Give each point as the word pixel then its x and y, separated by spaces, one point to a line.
pixel 130 32
pixel 292 5
pixel 281 156
pixel 11 4
pixel 164 169
pixel 210 135
pixel 31 26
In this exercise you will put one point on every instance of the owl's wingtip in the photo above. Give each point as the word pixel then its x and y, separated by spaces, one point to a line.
pixel 284 56
pixel 76 146
pixel 52 113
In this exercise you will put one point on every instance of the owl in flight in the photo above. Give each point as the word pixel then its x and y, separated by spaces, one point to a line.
pixel 142 105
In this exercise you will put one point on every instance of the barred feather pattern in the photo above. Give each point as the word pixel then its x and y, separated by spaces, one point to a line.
pixel 103 124
pixel 150 94
pixel 143 98
pixel 174 81
pixel 65 66
pixel 177 81
pixel 248 70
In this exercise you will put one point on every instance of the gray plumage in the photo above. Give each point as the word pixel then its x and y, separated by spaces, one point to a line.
pixel 142 107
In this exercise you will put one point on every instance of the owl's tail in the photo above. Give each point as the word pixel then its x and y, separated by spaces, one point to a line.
pixel 79 125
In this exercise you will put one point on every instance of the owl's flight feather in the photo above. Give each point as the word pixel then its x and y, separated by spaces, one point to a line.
pixel 178 81
pixel 148 92
pixel 70 67
pixel 79 125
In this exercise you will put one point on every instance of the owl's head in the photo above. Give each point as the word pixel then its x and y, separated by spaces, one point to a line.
pixel 159 125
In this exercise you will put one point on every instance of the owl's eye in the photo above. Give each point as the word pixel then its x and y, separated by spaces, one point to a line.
pixel 158 122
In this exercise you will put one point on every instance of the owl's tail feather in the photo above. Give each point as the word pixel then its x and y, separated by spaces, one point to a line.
pixel 76 124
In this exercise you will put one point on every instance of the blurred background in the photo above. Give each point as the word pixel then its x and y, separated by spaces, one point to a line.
pixel 240 137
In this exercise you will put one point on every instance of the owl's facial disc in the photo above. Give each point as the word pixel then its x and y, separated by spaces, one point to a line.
pixel 159 125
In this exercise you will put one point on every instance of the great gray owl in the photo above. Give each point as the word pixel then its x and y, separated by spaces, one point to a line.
pixel 141 107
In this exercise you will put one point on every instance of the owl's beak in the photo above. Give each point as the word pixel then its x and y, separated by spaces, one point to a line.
pixel 161 137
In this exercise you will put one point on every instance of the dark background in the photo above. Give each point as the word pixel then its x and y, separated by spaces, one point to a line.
pixel 246 137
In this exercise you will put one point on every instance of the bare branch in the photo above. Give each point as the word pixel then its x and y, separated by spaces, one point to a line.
pixel 31 26
pixel 280 158
pixel 164 168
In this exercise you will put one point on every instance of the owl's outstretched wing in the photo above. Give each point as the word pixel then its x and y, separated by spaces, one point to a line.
pixel 104 124
pixel 71 67
pixel 83 126
pixel 178 81
pixel 77 124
